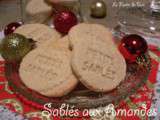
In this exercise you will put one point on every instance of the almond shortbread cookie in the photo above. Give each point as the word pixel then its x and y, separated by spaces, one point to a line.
pixel 48 71
pixel 62 42
pixel 38 11
pixel 86 30
pixel 97 62
pixel 39 32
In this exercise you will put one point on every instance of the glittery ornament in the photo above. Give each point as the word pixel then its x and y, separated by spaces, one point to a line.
pixel 14 47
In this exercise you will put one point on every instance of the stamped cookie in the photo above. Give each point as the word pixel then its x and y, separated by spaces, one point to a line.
pixel 48 71
pixel 98 65
pixel 39 32
pixel 85 30
pixel 38 11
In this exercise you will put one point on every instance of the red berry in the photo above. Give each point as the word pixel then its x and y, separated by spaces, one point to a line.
pixel 64 21
pixel 10 28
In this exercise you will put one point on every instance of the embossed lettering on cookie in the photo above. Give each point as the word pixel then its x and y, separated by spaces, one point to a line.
pixel 48 71
pixel 96 60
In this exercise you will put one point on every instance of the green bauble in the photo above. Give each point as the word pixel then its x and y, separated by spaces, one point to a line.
pixel 14 47
pixel 98 9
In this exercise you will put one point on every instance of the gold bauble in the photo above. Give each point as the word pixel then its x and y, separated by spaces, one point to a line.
pixel 98 9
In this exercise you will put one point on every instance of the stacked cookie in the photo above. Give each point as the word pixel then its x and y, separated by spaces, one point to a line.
pixel 37 11
pixel 95 59
pixel 87 55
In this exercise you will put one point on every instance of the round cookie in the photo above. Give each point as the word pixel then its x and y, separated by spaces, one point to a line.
pixel 48 71
pixel 98 65
pixel 62 42
pixel 39 32
pixel 38 11
pixel 86 30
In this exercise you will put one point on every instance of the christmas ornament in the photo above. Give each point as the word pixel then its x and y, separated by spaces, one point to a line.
pixel 10 28
pixel 132 46
pixel 98 9
pixel 64 21
pixel 14 47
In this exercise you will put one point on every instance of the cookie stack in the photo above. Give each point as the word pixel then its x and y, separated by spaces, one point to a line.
pixel 87 55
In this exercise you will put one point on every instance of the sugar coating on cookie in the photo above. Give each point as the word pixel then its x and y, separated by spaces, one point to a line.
pixel 97 62
pixel 39 32
pixel 48 71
